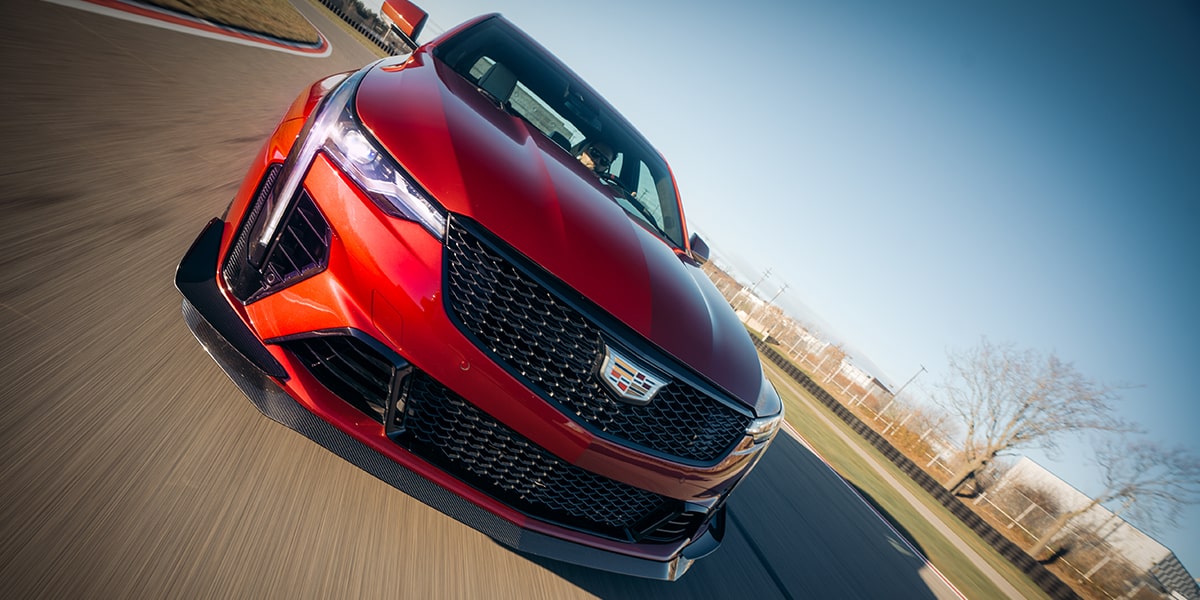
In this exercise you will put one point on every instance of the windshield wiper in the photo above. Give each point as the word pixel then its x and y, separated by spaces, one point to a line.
pixel 490 96
pixel 632 200
pixel 508 108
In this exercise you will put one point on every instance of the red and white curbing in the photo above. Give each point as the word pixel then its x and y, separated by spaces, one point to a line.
pixel 165 19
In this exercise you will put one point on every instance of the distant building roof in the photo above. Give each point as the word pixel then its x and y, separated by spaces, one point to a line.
pixel 1137 547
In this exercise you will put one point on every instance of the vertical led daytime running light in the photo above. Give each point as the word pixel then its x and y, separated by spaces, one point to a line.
pixel 300 158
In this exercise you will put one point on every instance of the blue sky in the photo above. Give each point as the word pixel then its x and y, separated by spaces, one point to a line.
pixel 923 174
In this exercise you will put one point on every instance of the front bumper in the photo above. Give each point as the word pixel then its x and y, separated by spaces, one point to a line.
pixel 251 366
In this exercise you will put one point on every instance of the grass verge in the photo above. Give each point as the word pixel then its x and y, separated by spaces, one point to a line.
pixel 813 421
pixel 275 18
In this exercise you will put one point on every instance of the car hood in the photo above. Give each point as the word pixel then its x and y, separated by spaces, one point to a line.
pixel 483 163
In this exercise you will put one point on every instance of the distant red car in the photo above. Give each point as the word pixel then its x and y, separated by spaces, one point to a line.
pixel 463 271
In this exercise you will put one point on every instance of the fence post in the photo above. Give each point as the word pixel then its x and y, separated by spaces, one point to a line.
pixel 1017 520
pixel 1092 571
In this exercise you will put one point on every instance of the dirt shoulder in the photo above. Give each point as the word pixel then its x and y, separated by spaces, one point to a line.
pixel 274 18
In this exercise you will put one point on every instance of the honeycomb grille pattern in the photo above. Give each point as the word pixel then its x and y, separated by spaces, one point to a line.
pixel 466 442
pixel 555 347
pixel 469 443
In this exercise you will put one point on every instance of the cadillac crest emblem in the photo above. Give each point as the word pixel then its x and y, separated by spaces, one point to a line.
pixel 630 381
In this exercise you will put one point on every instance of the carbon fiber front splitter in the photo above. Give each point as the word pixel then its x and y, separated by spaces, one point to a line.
pixel 248 363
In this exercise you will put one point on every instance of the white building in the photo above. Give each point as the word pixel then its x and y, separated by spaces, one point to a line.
pixel 855 374
pixel 1133 545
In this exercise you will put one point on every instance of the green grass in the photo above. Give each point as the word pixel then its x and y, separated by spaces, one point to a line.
pixel 276 18
pixel 804 412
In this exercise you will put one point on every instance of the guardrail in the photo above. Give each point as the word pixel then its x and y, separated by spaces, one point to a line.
pixel 1037 572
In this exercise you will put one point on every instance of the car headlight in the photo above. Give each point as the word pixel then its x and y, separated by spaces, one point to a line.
pixel 378 176
pixel 334 130
pixel 762 428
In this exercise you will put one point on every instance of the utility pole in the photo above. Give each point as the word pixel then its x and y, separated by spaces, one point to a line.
pixel 764 277
pixel 768 302
pixel 733 301
pixel 897 394
pixel 781 290
pixel 767 305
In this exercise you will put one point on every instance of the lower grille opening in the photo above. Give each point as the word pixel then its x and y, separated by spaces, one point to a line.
pixel 466 442
pixel 449 432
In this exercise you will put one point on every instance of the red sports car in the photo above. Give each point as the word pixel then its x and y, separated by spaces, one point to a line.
pixel 463 271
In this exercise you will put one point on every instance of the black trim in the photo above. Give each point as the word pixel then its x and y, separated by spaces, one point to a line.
pixel 303 208
pixel 299 250
pixel 368 383
pixel 241 278
pixel 196 279
pixel 277 405
pixel 357 334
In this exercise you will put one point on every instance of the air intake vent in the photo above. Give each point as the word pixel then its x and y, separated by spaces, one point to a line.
pixel 467 442
pixel 676 527
pixel 349 367
pixel 446 430
pixel 300 248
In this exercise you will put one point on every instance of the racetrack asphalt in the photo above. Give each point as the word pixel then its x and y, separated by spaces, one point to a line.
pixel 131 467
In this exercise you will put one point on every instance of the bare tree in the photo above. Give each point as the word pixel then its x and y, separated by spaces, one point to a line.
pixel 933 421
pixel 1008 400
pixel 1045 500
pixel 1150 484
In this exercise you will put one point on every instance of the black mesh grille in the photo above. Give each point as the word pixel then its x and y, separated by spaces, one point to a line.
pixel 468 443
pixel 555 347
pixel 349 367
pixel 450 432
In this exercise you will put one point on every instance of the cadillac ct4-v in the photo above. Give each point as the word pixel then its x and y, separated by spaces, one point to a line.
pixel 463 271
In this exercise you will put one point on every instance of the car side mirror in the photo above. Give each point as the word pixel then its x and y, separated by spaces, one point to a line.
pixel 699 248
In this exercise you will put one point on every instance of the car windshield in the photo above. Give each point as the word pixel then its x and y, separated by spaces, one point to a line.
pixel 515 73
